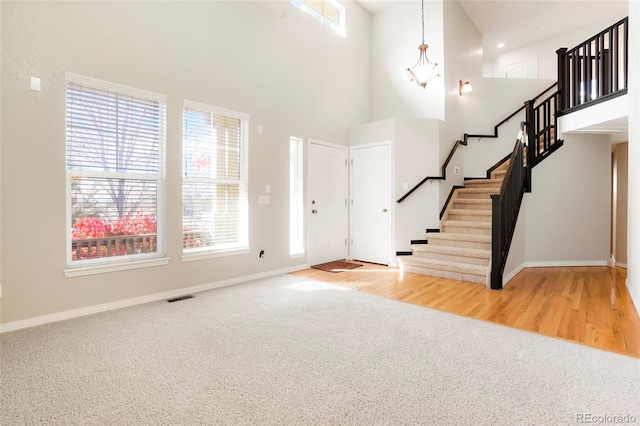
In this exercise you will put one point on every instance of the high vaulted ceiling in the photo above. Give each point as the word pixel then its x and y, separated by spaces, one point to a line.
pixel 520 22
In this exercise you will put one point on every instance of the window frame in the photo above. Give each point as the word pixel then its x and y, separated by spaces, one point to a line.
pixel 296 197
pixel 339 26
pixel 125 262
pixel 242 247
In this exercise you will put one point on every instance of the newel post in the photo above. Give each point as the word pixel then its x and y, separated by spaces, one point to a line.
pixel 530 122
pixel 563 79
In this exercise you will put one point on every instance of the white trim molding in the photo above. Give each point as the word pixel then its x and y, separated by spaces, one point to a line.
pixel 635 298
pixel 555 264
pixel 75 313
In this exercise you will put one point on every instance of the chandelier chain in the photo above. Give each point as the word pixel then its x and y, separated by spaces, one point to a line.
pixel 422 21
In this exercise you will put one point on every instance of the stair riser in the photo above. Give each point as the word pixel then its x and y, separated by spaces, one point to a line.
pixel 461 244
pixel 450 258
pixel 479 185
pixel 476 195
pixel 446 274
pixel 470 206
pixel 470 218
pixel 463 230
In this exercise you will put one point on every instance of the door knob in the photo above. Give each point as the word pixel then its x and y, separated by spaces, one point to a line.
pixel 314 211
pixel 384 210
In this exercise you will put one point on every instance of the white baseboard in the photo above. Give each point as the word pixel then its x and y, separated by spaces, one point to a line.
pixel 567 263
pixel 621 265
pixel 75 313
pixel 635 295
pixel 554 264
pixel 512 274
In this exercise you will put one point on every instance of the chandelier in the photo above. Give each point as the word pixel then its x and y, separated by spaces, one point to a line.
pixel 424 70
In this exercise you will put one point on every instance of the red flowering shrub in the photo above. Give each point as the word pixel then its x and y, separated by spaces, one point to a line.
pixel 134 225
pixel 93 227
pixel 90 227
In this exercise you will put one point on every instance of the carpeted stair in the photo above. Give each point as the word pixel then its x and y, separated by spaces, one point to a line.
pixel 462 248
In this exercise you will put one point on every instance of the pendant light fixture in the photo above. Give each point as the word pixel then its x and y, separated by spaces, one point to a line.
pixel 424 71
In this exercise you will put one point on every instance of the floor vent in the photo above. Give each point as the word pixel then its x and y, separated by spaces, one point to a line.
pixel 177 299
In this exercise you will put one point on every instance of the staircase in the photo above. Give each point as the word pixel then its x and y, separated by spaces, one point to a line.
pixel 462 248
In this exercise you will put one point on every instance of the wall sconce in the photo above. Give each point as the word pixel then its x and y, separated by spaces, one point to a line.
pixel 464 87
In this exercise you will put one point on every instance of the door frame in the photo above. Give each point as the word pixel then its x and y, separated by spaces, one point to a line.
pixel 307 217
pixel 391 258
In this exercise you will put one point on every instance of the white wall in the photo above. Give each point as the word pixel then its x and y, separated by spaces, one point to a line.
pixel 463 55
pixel 620 203
pixel 293 75
pixel 0 173
pixel 545 51
pixel 493 100
pixel 633 245
pixel 415 151
pixel 396 35
pixel 567 215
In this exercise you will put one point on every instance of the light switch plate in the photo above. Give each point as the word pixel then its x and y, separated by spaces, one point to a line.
pixel 34 84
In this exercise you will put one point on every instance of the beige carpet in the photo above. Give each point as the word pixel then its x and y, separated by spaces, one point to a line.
pixel 294 352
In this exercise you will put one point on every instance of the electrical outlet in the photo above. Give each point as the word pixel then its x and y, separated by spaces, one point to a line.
pixel 456 170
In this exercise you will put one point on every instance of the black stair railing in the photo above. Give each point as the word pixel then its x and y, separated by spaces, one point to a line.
pixel 457 144
pixel 595 70
pixel 505 209
pixel 542 125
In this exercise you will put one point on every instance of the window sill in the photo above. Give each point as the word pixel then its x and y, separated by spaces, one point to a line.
pixel 102 269
pixel 203 255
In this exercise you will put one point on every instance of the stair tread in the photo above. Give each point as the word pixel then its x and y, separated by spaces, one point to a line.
pixel 483 181
pixel 466 224
pixel 460 237
pixel 456 251
pixel 472 200
pixel 445 265
pixel 470 212
pixel 490 189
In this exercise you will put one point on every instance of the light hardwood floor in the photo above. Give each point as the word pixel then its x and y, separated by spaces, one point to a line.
pixel 587 305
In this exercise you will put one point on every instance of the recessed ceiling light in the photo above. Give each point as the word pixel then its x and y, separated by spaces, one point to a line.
pixel 500 45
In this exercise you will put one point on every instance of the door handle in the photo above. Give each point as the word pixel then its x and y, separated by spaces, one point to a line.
pixel 314 211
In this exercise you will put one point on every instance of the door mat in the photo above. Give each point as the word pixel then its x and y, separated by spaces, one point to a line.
pixel 336 266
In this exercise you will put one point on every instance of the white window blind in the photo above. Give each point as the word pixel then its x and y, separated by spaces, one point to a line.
pixel 115 172
pixel 215 178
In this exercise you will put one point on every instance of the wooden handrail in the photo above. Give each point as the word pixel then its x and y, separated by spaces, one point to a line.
pixel 443 173
pixel 513 114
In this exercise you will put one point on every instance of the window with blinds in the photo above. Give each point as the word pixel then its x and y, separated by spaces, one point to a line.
pixel 115 172
pixel 296 193
pixel 215 144
pixel 329 12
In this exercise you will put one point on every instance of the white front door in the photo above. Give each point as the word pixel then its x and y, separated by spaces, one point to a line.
pixel 371 204
pixel 327 203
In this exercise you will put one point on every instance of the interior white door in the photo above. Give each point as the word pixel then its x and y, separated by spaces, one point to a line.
pixel 371 204
pixel 523 69
pixel 327 204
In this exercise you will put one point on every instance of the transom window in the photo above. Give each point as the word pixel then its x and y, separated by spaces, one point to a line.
pixel 329 12
pixel 215 145
pixel 115 172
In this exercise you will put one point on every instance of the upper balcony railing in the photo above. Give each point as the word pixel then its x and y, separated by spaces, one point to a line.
pixel 595 70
